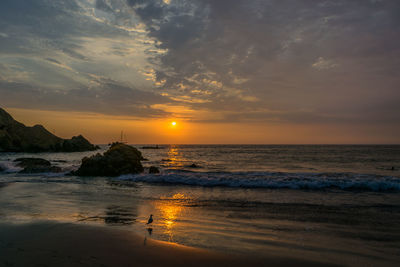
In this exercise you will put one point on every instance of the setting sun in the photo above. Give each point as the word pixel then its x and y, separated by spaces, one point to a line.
pixel 173 123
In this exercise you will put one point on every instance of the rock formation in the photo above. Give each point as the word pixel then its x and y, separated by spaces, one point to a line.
pixel 78 144
pixel 16 137
pixel 154 169
pixel 194 166
pixel 36 165
pixel 117 160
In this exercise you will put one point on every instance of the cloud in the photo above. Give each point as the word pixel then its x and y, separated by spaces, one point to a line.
pixel 54 49
pixel 272 47
pixel 104 95
pixel 324 64
pixel 232 60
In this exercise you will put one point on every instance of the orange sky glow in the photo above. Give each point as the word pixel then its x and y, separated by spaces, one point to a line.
pixel 102 129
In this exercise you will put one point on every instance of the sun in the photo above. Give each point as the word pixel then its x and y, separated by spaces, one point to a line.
pixel 173 123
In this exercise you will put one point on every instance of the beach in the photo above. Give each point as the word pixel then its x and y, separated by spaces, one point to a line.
pixel 55 244
pixel 199 133
pixel 223 212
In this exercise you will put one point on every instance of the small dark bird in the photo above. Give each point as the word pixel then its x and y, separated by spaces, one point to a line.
pixel 150 219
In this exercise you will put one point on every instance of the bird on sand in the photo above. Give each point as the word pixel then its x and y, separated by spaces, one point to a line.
pixel 150 219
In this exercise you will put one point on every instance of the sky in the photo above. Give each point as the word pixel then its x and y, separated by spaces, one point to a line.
pixel 227 71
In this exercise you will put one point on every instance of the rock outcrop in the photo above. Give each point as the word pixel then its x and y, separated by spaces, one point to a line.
pixel 16 137
pixel 119 159
pixel 193 166
pixel 78 144
pixel 153 170
pixel 152 147
pixel 36 165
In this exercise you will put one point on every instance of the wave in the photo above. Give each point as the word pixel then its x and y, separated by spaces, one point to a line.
pixel 274 180
pixel 9 167
pixel 270 180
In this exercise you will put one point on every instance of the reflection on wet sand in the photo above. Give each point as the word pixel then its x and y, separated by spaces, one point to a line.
pixel 121 183
pixel 171 210
pixel 3 185
pixel 119 215
pixel 150 230
pixel 114 215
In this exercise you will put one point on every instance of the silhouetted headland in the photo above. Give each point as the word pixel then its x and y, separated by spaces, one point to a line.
pixel 16 137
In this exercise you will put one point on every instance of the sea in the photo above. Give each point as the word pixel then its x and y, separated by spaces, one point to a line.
pixel 333 203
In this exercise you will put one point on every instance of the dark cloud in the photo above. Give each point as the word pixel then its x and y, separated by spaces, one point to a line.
pixel 103 5
pixel 53 60
pixel 338 56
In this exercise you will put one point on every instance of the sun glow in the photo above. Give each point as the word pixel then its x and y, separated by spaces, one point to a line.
pixel 173 123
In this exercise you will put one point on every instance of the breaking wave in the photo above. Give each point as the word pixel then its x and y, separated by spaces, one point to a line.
pixel 274 180
pixel 9 167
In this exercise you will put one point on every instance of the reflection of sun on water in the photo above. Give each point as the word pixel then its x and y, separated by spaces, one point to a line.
pixel 179 196
pixel 170 212
pixel 175 158
pixel 173 152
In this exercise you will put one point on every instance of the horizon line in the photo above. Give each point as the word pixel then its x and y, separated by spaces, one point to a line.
pixel 262 144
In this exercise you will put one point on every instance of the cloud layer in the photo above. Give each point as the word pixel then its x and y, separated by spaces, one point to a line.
pixel 224 61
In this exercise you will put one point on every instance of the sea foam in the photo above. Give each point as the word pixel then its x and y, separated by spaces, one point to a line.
pixel 273 180
pixel 9 167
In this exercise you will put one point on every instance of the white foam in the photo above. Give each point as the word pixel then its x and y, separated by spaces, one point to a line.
pixel 274 180
pixel 9 167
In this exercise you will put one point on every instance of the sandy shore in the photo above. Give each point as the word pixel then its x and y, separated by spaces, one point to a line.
pixel 57 244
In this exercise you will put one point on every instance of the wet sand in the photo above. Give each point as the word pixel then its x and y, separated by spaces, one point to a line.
pixel 66 244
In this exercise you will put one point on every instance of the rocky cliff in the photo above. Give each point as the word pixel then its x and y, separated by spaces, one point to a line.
pixel 16 137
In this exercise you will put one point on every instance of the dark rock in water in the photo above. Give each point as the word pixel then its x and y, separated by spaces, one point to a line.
pixel 194 166
pixel 117 160
pixel 118 143
pixel 152 147
pixel 154 170
pixel 16 137
pixel 25 162
pixel 36 165
pixel 2 169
